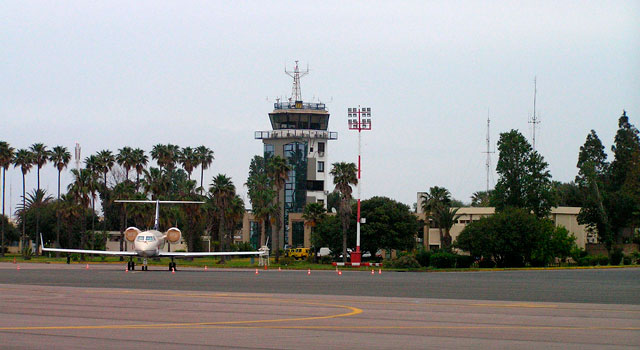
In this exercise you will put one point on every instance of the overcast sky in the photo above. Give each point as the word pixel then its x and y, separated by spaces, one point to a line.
pixel 109 74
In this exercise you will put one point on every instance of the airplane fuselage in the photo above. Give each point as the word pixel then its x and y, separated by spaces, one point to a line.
pixel 149 243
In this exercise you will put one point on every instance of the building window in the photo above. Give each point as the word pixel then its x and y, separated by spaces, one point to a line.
pixel 320 166
pixel 269 151
pixel 320 147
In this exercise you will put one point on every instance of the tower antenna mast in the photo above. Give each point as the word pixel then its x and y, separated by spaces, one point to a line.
pixel 296 94
pixel 534 120
pixel 488 152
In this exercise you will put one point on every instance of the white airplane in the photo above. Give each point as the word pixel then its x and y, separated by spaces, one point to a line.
pixel 149 244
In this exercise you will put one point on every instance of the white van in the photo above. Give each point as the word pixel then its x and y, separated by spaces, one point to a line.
pixel 324 252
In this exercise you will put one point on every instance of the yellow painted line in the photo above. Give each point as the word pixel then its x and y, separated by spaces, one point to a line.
pixel 354 311
pixel 570 328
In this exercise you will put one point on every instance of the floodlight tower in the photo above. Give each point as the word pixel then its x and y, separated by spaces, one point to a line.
pixel 359 119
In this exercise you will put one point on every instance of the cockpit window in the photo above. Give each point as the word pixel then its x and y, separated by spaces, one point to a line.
pixel 150 238
pixel 140 239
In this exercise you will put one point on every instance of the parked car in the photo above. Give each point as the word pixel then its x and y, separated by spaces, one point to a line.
pixel 298 253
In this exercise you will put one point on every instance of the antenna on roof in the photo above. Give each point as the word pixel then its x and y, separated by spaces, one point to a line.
pixel 296 94
pixel 534 120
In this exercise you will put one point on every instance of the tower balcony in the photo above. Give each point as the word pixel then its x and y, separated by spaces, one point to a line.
pixel 296 133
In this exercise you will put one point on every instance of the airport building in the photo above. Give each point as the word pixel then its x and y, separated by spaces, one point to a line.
pixel 300 134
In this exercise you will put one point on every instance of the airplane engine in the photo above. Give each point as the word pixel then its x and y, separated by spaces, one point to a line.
pixel 173 235
pixel 131 233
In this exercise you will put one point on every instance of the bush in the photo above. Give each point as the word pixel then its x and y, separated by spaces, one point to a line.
pixel 603 260
pixel 443 260
pixel 464 261
pixel 486 263
pixel 423 257
pixel 626 260
pixel 403 262
pixel 616 256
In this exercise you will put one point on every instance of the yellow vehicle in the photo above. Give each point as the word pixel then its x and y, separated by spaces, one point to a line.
pixel 297 253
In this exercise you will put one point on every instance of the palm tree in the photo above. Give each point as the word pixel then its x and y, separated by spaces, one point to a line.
pixel 261 194
pixel 40 157
pixel 34 202
pixel 60 158
pixel 155 182
pixel 24 159
pixel 222 190
pixel 6 158
pixel 158 153
pixel 437 196
pixel 188 159
pixel 171 156
pixel 125 158
pixel 140 160
pixel 278 172
pixel 205 158
pixel 445 217
pixel 80 190
pixel 106 160
pixel 313 213
pixel 344 175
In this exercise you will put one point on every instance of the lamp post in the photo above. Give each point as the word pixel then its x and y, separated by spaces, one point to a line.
pixel 359 119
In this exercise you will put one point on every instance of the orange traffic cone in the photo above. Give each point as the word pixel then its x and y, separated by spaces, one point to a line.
pixel 18 267
pixel 373 272
pixel 339 272
pixel 379 271
pixel 205 267
pixel 126 270
pixel 257 272
pixel 265 266
pixel 173 270
pixel 308 271
pixel 279 269
pixel 14 259
pixel 87 267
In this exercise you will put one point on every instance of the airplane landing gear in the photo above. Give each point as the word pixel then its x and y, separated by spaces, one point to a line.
pixel 131 265
pixel 144 265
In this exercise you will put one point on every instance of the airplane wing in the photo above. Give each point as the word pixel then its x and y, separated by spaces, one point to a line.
pixel 201 254
pixel 85 251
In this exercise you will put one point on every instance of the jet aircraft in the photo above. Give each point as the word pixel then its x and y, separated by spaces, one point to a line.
pixel 149 244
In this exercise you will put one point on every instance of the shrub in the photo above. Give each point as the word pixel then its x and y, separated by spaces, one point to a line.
pixel 403 262
pixel 464 261
pixel 616 256
pixel 486 263
pixel 285 260
pixel 603 260
pixel 443 260
pixel 423 257
pixel 626 260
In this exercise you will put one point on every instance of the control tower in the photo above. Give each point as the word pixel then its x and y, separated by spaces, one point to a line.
pixel 299 134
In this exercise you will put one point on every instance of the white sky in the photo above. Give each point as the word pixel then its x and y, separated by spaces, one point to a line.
pixel 110 74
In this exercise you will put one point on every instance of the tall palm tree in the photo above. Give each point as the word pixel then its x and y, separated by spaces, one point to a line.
pixel 155 182
pixel 6 158
pixel 261 194
pixel 445 217
pixel 24 159
pixel 60 158
pixel 171 156
pixel 106 160
pixel 158 153
pixel 436 197
pixel 80 191
pixel 140 161
pixel 188 159
pixel 33 203
pixel 126 159
pixel 222 190
pixel 205 158
pixel 312 214
pixel 278 171
pixel 344 175
pixel 40 157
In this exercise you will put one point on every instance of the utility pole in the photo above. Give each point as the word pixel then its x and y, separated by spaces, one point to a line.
pixel 363 122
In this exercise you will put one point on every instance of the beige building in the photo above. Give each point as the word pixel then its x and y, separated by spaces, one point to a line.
pixel 300 237
pixel 561 216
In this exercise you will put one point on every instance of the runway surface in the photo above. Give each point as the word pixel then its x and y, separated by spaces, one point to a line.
pixel 67 306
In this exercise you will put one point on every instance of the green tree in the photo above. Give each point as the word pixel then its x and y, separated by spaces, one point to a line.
pixel 524 179
pixel 481 199
pixel 205 158
pixel 312 214
pixel 222 191
pixel 261 195
pixel 568 194
pixel 140 161
pixel 24 159
pixel 278 173
pixel 189 160
pixel 40 158
pixel 31 211
pixel 6 159
pixel 592 176
pixel 80 189
pixel 60 158
pixel 126 159
pixel 390 225
pixel 437 206
pixel 344 175
pixel 514 237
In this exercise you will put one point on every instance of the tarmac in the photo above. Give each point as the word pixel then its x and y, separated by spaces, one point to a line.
pixel 71 307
